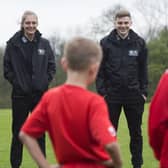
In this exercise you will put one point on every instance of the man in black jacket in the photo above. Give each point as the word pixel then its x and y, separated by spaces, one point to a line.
pixel 122 79
pixel 29 65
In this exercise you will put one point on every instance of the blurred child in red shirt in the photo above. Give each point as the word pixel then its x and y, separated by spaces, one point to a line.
pixel 76 119
pixel 158 122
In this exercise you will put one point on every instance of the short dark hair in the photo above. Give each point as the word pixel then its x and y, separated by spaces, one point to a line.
pixel 81 52
pixel 122 13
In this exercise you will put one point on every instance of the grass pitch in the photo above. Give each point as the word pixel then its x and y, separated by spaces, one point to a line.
pixel 123 137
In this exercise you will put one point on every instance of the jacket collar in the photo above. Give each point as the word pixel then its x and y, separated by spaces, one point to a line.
pixel 19 37
pixel 114 37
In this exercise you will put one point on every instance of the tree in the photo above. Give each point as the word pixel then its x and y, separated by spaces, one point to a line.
pixel 57 44
pixel 155 16
pixel 5 89
pixel 158 58
pixel 104 23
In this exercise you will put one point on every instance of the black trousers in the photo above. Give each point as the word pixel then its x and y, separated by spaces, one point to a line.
pixel 21 107
pixel 133 114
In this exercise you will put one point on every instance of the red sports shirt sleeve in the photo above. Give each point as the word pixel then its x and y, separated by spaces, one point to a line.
pixel 101 128
pixel 164 152
pixel 158 117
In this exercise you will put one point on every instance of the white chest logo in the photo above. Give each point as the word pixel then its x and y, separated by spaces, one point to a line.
pixel 41 51
pixel 133 53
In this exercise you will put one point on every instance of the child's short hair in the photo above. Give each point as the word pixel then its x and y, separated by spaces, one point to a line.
pixel 122 13
pixel 81 52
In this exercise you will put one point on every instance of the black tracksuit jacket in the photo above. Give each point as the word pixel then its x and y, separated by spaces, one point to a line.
pixel 122 76
pixel 17 71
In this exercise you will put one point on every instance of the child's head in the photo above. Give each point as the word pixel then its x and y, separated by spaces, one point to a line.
pixel 82 55
pixel 81 52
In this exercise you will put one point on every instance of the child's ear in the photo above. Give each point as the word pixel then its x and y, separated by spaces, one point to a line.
pixel 92 72
pixel 94 68
pixel 64 63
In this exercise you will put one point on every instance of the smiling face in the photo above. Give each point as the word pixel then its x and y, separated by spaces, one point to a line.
pixel 29 25
pixel 122 25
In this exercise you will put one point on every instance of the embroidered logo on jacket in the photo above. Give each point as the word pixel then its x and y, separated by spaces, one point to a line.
pixel 133 53
pixel 24 39
pixel 41 51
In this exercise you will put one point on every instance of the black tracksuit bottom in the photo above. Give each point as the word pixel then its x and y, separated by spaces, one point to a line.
pixel 133 113
pixel 22 105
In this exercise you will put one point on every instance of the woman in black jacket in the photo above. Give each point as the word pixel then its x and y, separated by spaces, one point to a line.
pixel 29 65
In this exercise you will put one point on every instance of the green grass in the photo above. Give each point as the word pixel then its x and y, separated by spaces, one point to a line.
pixel 123 136
pixel 5 140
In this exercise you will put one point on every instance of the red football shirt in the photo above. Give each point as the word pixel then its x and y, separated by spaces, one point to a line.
pixel 77 122
pixel 158 121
